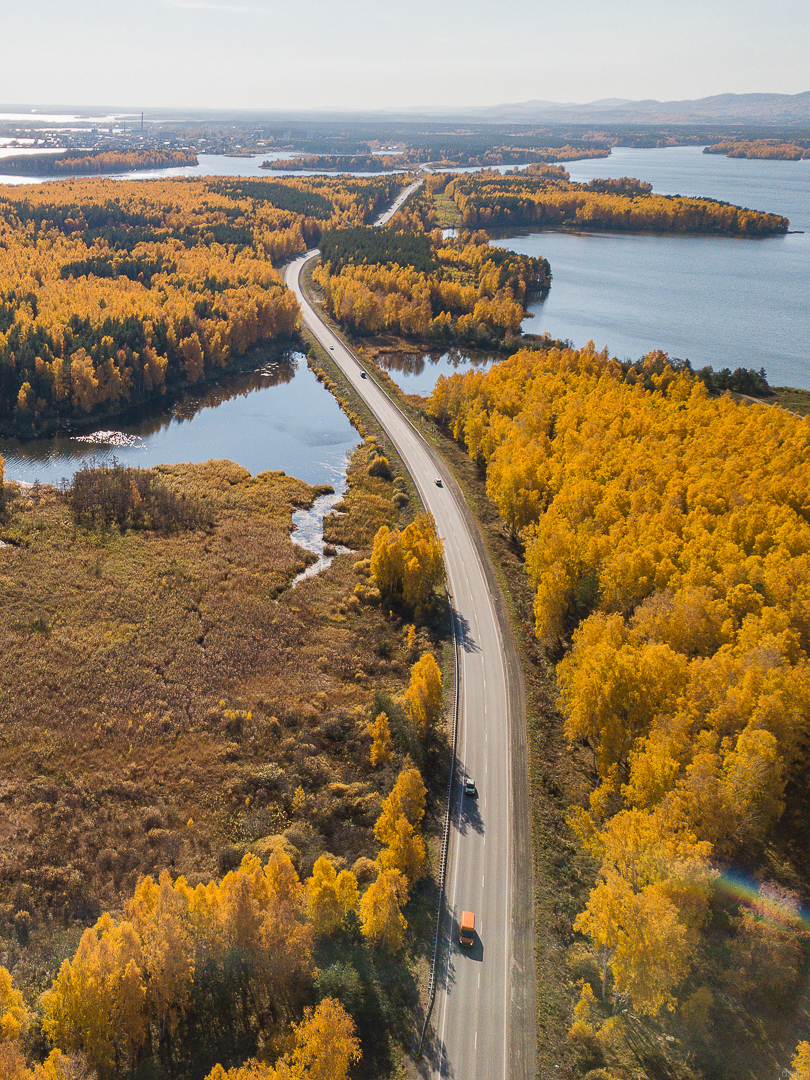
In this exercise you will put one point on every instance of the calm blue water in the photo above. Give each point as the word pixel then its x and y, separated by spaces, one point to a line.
pixel 278 417
pixel 416 373
pixel 714 300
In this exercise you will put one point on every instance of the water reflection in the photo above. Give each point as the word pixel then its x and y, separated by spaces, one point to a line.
pixel 275 416
pixel 417 372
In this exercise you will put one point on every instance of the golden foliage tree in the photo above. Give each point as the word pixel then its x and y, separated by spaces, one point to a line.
pixel 325 1044
pixel 397 827
pixel 381 917
pixel 380 731
pixel 408 565
pixel 800 1066
pixel 330 896
pixel 13 1013
pixel 423 698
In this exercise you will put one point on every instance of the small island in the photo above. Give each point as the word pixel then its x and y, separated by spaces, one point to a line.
pixel 770 149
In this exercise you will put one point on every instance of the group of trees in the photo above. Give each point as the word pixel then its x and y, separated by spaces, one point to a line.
pixel 221 963
pixel 226 965
pixel 367 246
pixel 110 292
pixel 667 537
pixel 113 495
pixel 492 200
pixel 442 157
pixel 425 286
pixel 324 1048
pixel 775 149
pixel 400 864
pixel 347 163
pixel 408 565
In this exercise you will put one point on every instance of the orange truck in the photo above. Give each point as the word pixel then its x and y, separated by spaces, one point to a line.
pixel 466 930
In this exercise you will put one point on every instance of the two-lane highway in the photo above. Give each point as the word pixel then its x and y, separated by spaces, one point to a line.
pixel 483 1021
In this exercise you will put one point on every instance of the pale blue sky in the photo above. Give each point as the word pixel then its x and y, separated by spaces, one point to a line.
pixel 269 54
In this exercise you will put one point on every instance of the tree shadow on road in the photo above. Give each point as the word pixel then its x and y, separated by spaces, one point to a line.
pixel 465 639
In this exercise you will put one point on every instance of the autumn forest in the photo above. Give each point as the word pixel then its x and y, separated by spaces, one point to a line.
pixel 113 291
pixel 223 791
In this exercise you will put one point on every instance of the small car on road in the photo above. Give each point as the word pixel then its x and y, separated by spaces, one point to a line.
pixel 363 375
pixel 439 482
pixel 466 929
pixel 469 786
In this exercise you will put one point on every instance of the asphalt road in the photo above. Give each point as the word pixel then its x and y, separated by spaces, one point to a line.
pixel 483 1021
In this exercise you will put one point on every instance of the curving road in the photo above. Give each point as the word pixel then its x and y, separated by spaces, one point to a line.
pixel 482 1025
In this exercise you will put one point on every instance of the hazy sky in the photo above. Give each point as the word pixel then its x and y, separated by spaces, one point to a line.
pixel 281 54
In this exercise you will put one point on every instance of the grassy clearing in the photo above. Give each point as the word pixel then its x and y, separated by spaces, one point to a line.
pixel 797 401
pixel 448 215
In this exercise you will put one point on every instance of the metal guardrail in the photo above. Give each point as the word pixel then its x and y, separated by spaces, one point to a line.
pixel 448 806
pixel 446 833
pixel 449 801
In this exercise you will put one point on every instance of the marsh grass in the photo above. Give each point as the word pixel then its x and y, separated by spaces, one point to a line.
pixel 164 694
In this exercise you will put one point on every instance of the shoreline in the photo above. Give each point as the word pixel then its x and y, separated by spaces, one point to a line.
pixel 70 426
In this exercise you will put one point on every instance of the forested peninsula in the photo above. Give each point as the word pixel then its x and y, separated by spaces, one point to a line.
pixel 422 284
pixel 408 159
pixel 491 200
pixel 770 149
pixel 95 162
pixel 111 292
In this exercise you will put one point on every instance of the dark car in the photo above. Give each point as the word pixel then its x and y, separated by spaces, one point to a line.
pixel 439 482
pixel 469 786
pixel 363 375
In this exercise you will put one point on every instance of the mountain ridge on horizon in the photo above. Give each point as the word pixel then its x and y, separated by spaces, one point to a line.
pixel 765 109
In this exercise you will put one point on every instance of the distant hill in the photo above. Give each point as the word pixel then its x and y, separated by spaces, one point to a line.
pixel 781 109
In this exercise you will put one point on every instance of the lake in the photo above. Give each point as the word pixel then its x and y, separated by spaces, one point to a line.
pixel 716 300
pixel 728 302
pixel 277 416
